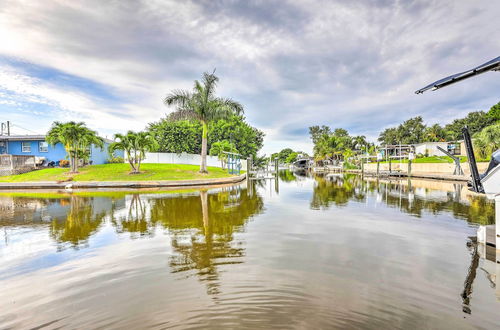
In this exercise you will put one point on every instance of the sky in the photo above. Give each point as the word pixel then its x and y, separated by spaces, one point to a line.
pixel 292 64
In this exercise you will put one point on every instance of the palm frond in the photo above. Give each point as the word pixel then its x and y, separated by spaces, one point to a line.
pixel 178 97
pixel 231 105
pixel 183 114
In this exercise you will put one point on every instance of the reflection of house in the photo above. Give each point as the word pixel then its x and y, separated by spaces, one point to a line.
pixel 35 145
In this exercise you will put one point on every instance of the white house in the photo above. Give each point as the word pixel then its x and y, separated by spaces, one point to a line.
pixel 430 148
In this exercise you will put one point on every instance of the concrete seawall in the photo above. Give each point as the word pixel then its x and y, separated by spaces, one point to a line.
pixel 422 168
pixel 120 184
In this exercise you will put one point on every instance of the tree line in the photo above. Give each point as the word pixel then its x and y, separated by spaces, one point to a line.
pixel 337 144
pixel 414 130
pixel 185 136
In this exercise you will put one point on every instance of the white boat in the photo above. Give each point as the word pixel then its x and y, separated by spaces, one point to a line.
pixel 491 178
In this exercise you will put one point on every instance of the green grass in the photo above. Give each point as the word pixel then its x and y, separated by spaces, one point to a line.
pixel 119 172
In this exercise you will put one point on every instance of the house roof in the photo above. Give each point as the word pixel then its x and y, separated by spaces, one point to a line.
pixel 22 137
pixel 33 137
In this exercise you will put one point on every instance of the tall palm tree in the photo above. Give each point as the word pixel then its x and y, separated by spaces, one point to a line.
pixel 135 146
pixel 359 142
pixel 204 106
pixel 487 141
pixel 76 139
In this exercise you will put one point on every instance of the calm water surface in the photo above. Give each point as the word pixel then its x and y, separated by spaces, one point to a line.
pixel 306 252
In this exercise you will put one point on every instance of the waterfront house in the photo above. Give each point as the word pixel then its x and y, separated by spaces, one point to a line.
pixel 35 145
pixel 430 148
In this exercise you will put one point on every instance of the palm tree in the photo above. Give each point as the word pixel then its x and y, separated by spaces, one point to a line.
pixel 76 139
pixel 135 146
pixel 434 133
pixel 359 142
pixel 220 149
pixel 487 141
pixel 202 105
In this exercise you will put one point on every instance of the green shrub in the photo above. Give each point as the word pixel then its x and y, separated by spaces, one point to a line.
pixel 64 163
pixel 350 166
pixel 115 160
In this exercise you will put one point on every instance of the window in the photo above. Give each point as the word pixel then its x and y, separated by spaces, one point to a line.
pixel 43 146
pixel 25 146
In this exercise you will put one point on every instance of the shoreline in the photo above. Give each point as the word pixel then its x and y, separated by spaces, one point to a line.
pixel 121 184
pixel 434 176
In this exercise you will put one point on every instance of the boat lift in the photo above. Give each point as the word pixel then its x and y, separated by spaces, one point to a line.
pixel 489 182
pixel 458 169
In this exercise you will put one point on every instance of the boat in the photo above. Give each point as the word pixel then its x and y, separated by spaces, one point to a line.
pixel 301 164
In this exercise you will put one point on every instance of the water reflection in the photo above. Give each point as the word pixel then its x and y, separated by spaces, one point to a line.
pixel 409 196
pixel 134 220
pixel 201 225
pixel 82 220
pixel 327 251
pixel 202 230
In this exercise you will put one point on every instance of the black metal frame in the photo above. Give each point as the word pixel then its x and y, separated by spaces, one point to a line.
pixel 492 65
pixel 476 180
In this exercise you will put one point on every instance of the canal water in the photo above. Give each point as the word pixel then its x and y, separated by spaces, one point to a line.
pixel 336 251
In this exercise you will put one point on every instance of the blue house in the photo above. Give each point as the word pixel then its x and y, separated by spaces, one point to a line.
pixel 35 145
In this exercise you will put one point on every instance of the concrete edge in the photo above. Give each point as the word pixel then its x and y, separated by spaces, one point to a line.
pixel 121 184
pixel 434 176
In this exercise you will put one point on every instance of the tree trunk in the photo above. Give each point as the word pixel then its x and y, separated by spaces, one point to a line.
pixel 131 166
pixel 73 164
pixel 203 165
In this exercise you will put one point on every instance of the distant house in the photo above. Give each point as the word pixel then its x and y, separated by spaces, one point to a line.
pixel 35 145
pixel 430 148
pixel 396 150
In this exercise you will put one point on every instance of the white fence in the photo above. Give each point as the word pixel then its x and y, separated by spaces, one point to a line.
pixel 184 158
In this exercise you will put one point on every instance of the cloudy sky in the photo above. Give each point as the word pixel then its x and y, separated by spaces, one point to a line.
pixel 293 64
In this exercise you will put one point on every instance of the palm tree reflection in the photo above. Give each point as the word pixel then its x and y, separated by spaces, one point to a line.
pixel 81 221
pixel 202 230
pixel 134 221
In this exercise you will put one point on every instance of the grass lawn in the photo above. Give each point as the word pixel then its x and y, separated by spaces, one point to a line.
pixel 119 172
